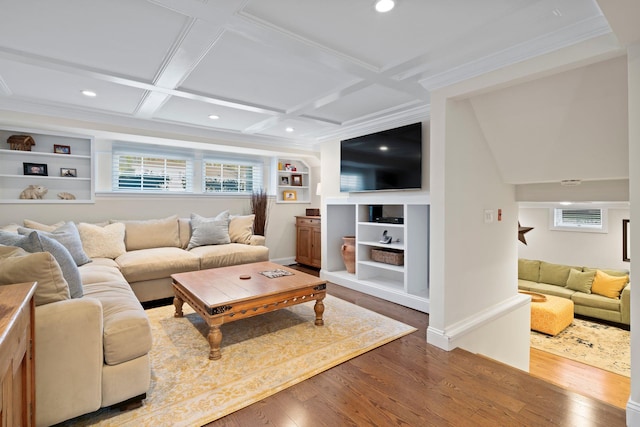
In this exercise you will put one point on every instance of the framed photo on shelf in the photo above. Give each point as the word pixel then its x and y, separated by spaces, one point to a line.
pixel 35 169
pixel 296 179
pixel 290 195
pixel 284 180
pixel 70 172
pixel 61 149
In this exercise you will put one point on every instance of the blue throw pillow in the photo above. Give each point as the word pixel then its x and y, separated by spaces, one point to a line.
pixel 68 236
pixel 33 242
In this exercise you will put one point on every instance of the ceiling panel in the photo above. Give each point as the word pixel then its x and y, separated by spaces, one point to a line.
pixel 362 103
pixel 188 111
pixel 56 87
pixel 249 71
pixel 130 37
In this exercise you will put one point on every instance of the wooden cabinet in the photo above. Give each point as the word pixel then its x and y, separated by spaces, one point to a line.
pixel 17 381
pixel 308 241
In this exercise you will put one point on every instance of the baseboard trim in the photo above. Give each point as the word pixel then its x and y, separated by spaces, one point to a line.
pixel 284 261
pixel 449 338
pixel 633 413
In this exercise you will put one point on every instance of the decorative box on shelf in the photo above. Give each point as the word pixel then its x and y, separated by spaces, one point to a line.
pixel 388 256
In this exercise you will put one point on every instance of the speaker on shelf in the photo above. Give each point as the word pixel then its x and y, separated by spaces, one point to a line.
pixel 375 213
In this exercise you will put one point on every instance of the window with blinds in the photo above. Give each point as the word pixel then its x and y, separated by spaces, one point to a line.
pixel 157 172
pixel 231 176
pixel 579 219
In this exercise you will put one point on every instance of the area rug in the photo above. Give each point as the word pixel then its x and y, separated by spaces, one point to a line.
pixel 603 346
pixel 260 356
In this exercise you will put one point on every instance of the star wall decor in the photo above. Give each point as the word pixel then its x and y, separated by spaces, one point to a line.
pixel 522 231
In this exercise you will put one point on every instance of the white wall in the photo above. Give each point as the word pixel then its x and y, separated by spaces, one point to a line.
pixel 473 278
pixel 602 250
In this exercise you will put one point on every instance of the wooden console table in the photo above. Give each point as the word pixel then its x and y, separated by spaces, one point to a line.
pixel 17 362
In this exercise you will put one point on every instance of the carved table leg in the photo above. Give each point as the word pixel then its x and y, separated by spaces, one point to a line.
pixel 319 309
pixel 177 303
pixel 215 338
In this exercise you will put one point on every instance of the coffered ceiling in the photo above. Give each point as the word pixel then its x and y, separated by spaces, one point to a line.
pixel 324 69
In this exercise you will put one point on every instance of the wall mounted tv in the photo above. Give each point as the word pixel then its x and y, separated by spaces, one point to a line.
pixel 386 160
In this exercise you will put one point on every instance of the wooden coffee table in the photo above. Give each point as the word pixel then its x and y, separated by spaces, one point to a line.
pixel 223 295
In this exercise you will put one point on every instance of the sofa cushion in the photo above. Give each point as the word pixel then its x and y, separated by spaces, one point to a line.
pixel 19 266
pixel 184 227
pixel 33 242
pixel 156 263
pixel 528 269
pixel 555 274
pixel 545 288
pixel 209 231
pixel 241 228
pixel 607 285
pixel 615 273
pixel 596 301
pixel 230 254
pixel 152 233
pixel 126 330
pixel 580 281
pixel 102 242
pixel 68 236
pixel 525 285
pixel 42 227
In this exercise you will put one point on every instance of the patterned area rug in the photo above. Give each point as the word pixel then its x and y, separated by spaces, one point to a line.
pixel 260 356
pixel 595 344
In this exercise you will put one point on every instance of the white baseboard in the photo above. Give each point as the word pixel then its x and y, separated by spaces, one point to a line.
pixel 284 261
pixel 633 413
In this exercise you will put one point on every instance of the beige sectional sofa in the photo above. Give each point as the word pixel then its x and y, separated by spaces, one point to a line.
pixel 599 293
pixel 92 334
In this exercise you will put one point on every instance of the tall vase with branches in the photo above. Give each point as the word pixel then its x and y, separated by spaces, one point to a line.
pixel 260 208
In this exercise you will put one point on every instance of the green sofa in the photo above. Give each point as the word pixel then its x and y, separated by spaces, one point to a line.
pixel 557 279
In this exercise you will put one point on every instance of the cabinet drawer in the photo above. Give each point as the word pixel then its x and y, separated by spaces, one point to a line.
pixel 308 221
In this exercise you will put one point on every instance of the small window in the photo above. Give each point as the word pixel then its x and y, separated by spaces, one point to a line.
pixel 572 219
pixel 229 176
pixel 158 172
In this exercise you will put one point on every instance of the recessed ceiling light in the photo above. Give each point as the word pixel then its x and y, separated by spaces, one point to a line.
pixel 89 93
pixel 384 5
pixel 214 117
pixel 383 148
pixel 289 129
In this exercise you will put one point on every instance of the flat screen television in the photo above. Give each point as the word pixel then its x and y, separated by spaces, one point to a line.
pixel 386 160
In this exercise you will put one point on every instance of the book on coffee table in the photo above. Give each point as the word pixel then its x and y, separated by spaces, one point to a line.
pixel 272 274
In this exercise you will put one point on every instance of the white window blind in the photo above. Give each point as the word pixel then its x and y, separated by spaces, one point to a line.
pixel 579 219
pixel 232 176
pixel 151 172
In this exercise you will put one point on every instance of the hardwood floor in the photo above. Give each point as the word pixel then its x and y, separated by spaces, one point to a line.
pixel 409 382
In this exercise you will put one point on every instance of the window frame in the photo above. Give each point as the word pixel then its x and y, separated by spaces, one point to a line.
pixel 604 223
pixel 257 180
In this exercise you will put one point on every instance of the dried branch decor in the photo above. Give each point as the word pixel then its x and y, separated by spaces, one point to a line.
pixel 260 208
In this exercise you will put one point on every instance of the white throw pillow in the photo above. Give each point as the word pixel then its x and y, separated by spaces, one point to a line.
pixel 102 242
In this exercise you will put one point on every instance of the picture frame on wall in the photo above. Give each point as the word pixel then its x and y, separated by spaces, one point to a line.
pixel 626 243
pixel 290 195
pixel 39 169
pixel 69 172
pixel 296 179
pixel 61 149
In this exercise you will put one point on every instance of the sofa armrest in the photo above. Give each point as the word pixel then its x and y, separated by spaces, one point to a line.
pixel 69 359
pixel 257 240
pixel 625 304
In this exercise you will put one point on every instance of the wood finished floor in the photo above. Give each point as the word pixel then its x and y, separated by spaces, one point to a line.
pixel 411 383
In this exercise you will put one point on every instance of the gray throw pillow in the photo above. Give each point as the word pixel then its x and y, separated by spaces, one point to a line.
pixel 68 236
pixel 209 231
pixel 33 242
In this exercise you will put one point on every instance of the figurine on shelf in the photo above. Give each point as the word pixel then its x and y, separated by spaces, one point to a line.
pixel 33 192
pixel 66 196
pixel 20 142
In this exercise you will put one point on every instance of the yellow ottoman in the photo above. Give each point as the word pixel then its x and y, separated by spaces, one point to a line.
pixel 551 316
